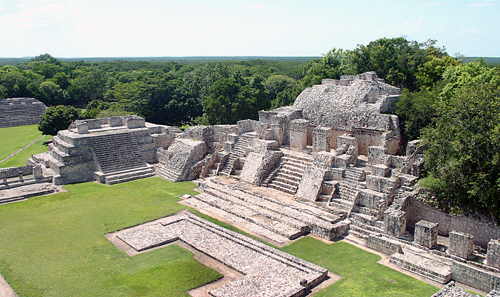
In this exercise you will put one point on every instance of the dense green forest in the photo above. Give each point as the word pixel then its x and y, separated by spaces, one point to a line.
pixel 452 103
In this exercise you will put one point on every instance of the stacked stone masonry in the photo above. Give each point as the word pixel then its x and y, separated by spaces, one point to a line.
pixel 20 112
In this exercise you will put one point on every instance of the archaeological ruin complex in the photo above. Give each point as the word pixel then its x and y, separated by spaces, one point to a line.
pixel 332 160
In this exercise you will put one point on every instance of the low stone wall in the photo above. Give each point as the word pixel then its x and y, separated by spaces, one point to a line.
pixel 382 244
pixel 14 171
pixel 482 231
pixel 475 277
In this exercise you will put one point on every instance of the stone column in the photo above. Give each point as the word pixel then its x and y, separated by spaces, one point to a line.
pixel 461 244
pixel 37 172
pixel 395 222
pixel 82 128
pixel 493 255
pixel 298 134
pixel 321 139
pixel 21 177
pixel 426 233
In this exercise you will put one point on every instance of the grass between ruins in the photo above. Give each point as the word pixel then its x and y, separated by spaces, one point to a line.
pixel 54 246
pixel 15 138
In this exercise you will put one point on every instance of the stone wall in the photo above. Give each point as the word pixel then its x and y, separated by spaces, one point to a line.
pixel 20 112
pixel 14 171
pixel 382 244
pixel 475 277
pixel 481 230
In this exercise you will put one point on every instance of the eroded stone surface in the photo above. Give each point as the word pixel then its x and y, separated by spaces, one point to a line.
pixel 268 272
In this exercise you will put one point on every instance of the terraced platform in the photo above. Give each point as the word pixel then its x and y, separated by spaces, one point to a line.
pixel 263 215
pixel 267 271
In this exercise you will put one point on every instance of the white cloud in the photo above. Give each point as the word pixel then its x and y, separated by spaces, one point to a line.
pixel 404 28
pixel 2 8
pixel 435 30
pixel 472 30
pixel 256 6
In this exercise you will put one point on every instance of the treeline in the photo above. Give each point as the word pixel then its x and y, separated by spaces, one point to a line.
pixel 176 93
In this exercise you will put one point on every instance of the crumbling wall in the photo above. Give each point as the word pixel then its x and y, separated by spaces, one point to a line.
pixel 482 230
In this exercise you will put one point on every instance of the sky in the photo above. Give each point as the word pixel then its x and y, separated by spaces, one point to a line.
pixel 160 28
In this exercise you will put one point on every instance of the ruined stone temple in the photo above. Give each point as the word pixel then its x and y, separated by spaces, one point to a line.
pixel 20 112
pixel 329 166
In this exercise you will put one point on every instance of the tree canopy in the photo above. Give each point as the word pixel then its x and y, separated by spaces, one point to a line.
pixel 57 118
pixel 462 161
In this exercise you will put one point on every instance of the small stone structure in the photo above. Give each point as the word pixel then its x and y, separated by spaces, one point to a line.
pixel 20 112
pixel 461 244
pixel 267 271
pixel 426 233
pixel 95 150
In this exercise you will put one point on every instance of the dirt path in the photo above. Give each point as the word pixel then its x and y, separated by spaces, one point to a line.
pixel 19 150
pixel 5 289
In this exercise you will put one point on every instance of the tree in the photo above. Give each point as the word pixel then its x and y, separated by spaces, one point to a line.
pixel 463 160
pixel 57 118
pixel 416 111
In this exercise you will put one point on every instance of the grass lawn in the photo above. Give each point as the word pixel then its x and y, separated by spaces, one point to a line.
pixel 15 138
pixel 54 246
pixel 19 159
pixel 362 276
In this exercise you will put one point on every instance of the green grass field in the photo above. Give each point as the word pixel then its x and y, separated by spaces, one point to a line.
pixel 54 246
pixel 15 138
pixel 362 276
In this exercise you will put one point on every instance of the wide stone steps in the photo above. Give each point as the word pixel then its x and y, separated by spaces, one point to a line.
pixel 424 265
pixel 239 151
pixel 116 152
pixel 267 213
pixel 260 208
pixel 289 173
pixel 341 204
pixel 129 175
pixel 354 174
pixel 168 174
pixel 250 215
pixel 197 203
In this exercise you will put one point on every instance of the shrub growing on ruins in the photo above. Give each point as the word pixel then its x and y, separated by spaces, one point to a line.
pixel 57 118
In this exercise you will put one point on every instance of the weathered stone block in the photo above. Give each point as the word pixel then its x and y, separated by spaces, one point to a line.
pixel 135 122
pixel 310 184
pixel 115 121
pixel 82 128
pixel 395 222
pixel 381 170
pixel 493 255
pixel 37 172
pixel 383 244
pixel 378 155
pixel 461 244
pixel 426 233
pixel 321 139
pixel 298 134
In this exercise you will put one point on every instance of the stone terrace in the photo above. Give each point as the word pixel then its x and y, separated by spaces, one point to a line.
pixel 268 271
pixel 263 215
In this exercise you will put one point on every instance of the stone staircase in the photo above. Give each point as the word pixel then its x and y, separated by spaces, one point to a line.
pixel 168 174
pixel 119 159
pixel 288 172
pixel 239 151
pixel 270 218
pixel 424 264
